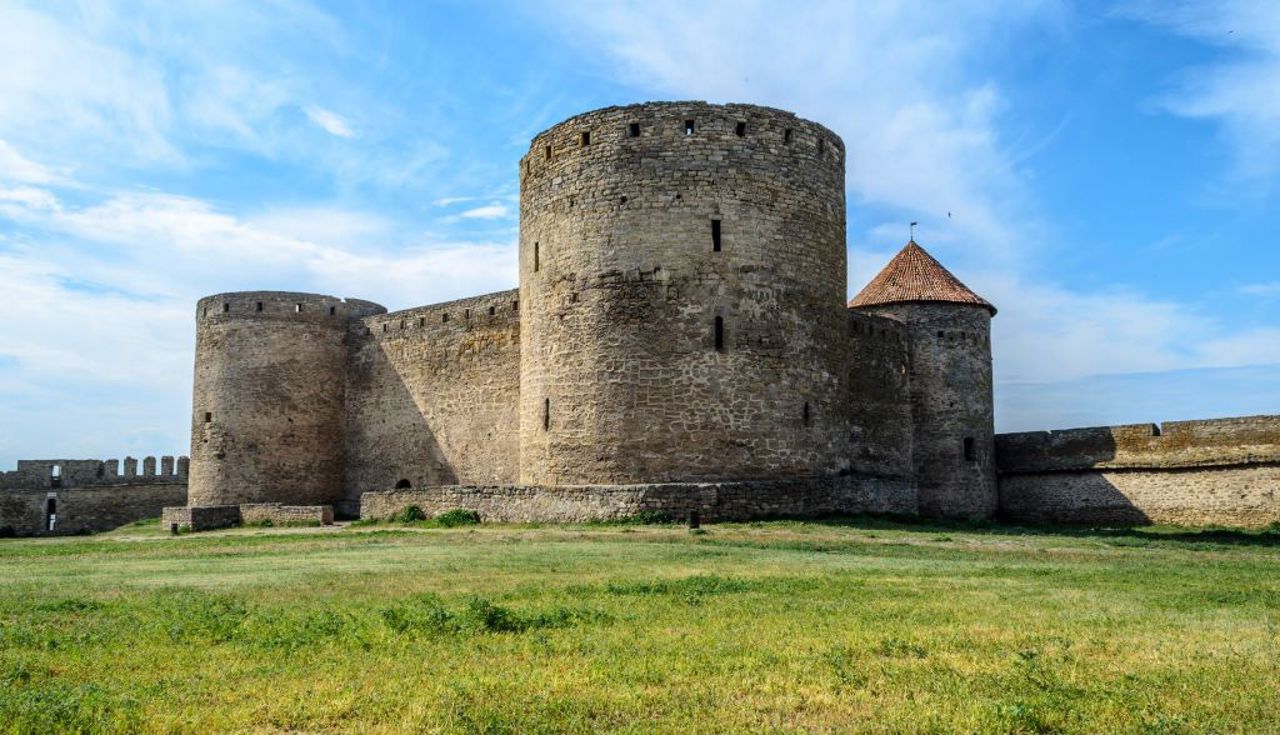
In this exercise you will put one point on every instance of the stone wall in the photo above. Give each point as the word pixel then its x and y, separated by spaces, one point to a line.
pixel 209 518
pixel 1215 472
pixel 713 501
pixel 682 279
pixel 879 399
pixel 433 396
pixel 24 512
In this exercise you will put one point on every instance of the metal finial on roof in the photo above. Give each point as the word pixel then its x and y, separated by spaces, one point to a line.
pixel 913 231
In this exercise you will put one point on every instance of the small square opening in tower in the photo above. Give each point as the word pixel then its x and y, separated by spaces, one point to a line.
pixel 297 308
pixel 333 310
pixel 548 151
pixel 586 137
pixel 786 136
pixel 493 310
pixel 633 130
pixel 970 450
pixel 740 129
pixel 688 127
pixel 715 235
pixel 259 306
pixel 208 417
pixel 226 308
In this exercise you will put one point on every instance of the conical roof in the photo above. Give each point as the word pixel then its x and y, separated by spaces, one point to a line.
pixel 913 275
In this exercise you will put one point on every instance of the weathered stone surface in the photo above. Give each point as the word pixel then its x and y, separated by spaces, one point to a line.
pixel 1245 495
pixel 713 501
pixel 1216 472
pixel 432 396
pixel 85 495
pixel 621 287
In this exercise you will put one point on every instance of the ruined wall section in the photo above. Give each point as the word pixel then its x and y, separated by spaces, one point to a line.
pixel 1213 472
pixel 879 397
pixel 952 407
pixel 268 410
pixel 433 396
pixel 682 271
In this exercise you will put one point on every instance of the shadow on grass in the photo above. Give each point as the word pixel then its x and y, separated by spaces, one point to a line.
pixel 1121 535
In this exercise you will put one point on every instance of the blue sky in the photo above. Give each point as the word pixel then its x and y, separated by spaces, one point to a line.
pixel 1111 170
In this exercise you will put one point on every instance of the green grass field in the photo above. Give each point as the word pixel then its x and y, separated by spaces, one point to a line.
pixel 861 625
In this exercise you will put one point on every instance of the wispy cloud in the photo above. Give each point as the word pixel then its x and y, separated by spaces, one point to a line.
pixel 1237 89
pixel 489 211
pixel 330 121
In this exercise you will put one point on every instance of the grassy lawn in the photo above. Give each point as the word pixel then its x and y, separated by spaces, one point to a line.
pixel 864 626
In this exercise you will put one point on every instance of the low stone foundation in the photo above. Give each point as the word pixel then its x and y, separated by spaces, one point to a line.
pixel 726 501
pixel 209 518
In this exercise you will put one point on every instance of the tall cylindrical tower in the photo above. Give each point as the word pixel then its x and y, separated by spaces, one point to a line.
pixel 682 269
pixel 949 345
pixel 267 414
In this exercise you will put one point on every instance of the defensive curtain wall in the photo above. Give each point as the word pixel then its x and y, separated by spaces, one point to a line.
pixel 1218 472
pixel 67 496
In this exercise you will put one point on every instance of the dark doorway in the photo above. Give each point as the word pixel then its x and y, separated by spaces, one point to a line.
pixel 403 484
pixel 50 514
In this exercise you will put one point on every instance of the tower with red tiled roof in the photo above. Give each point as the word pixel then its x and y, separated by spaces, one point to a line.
pixel 948 330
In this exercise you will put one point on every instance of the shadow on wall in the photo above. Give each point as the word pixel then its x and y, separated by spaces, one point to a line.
pixel 389 440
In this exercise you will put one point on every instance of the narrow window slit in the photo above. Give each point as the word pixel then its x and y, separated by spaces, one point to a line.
pixel 786 136
pixel 806 413
pixel 259 306
pixel 688 127
pixel 719 334
pixel 537 258
pixel 740 129
pixel 208 417
pixel 970 451
pixel 586 137
pixel 715 235
pixel 633 130
pixel 546 414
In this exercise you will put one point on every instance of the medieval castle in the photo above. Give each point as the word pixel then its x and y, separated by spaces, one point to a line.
pixel 679 342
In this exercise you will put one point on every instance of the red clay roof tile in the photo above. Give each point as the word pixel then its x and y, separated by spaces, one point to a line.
pixel 913 275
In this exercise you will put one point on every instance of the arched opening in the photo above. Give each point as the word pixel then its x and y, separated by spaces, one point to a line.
pixel 403 485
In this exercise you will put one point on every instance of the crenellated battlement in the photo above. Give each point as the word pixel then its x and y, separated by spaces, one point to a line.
pixel 55 474
pixel 283 306
pixel 445 320
pixel 1208 443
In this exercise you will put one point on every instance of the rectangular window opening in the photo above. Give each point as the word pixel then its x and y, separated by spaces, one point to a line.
pixel 537 258
pixel 259 306
pixel 633 130
pixel 970 451
pixel 586 138
pixel 740 129
pixel 515 305
pixel 806 413
pixel 546 414
pixel 715 235
pixel 719 334
pixel 333 310
pixel 493 310
pixel 422 321
pixel 688 127
pixel 297 308
pixel 548 153
pixel 226 308
pixel 444 318
pixel 786 136
pixel 208 417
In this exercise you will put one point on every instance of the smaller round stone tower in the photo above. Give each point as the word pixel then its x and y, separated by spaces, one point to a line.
pixel 949 343
pixel 267 414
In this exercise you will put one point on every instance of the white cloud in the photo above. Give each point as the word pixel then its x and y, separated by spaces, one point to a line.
pixel 1265 290
pixel 14 167
pixel 489 211
pixel 330 121
pixel 1237 89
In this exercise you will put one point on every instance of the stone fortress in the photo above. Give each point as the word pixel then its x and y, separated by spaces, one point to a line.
pixel 679 342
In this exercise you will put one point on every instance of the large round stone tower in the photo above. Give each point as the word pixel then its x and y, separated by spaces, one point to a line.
pixel 949 344
pixel 682 271
pixel 267 414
